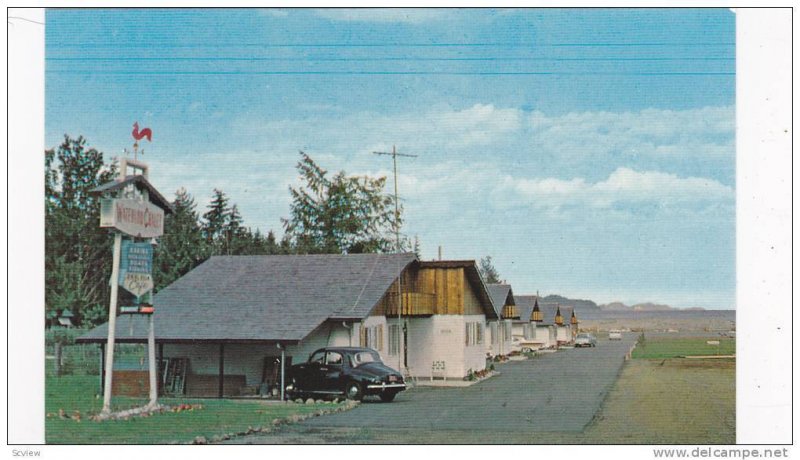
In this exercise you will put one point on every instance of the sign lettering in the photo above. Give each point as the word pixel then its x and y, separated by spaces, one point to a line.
pixel 133 217
pixel 135 267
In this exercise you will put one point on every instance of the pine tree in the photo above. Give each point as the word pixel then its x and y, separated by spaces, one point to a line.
pixel 487 270
pixel 339 214
pixel 214 221
pixel 183 245
pixel 77 250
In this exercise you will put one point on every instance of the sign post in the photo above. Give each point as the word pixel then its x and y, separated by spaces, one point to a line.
pixel 132 211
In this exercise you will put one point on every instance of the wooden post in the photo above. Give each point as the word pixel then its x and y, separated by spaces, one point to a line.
pixel 221 369
pixel 112 321
pixel 151 363
pixel 58 354
pixel 160 367
pixel 102 366
pixel 283 371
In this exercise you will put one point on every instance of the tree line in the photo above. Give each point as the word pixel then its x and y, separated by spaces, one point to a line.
pixel 329 214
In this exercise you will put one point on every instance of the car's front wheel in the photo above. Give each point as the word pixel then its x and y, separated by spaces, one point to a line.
pixel 353 391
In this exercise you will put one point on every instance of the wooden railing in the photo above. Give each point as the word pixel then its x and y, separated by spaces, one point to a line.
pixel 510 311
pixel 414 303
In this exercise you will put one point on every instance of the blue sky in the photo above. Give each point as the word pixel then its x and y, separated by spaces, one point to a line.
pixel 590 152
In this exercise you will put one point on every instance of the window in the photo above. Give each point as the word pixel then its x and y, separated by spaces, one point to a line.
pixel 318 357
pixel 507 329
pixel 474 333
pixel 372 337
pixel 334 358
pixel 394 336
pixel 495 333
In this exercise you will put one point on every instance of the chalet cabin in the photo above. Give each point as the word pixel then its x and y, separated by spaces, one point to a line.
pixel 500 337
pixel 536 325
pixel 224 328
pixel 445 306
pixel 566 325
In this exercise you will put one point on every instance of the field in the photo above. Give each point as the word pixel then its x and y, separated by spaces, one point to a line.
pixel 669 401
pixel 73 393
pixel 668 347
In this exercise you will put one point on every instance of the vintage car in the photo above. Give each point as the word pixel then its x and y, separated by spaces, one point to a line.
pixel 585 340
pixel 352 372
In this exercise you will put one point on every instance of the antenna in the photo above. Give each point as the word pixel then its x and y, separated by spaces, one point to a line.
pixel 394 154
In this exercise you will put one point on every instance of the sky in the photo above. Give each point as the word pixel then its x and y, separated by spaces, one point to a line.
pixel 590 152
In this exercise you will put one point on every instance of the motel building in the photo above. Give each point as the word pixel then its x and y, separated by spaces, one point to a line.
pixel 231 326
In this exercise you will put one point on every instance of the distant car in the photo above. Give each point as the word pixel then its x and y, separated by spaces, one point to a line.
pixel 585 340
pixel 352 372
pixel 614 335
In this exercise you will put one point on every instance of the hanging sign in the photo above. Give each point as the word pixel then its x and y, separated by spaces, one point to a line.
pixel 136 267
pixel 133 217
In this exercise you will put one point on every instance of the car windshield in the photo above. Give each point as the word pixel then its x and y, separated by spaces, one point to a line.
pixel 583 336
pixel 363 357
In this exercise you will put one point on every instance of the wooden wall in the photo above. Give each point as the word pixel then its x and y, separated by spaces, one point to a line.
pixel 433 291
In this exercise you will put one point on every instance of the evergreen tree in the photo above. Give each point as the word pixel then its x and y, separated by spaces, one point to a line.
pixel 77 250
pixel 183 245
pixel 214 221
pixel 487 270
pixel 339 214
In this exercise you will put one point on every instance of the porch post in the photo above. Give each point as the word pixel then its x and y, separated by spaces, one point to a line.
pixel 161 367
pixel 221 368
pixel 283 370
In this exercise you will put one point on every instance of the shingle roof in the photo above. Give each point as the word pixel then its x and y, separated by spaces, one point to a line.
pixel 140 183
pixel 500 293
pixel 264 298
pixel 525 306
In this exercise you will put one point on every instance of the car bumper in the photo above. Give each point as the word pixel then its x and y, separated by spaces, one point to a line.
pixel 380 387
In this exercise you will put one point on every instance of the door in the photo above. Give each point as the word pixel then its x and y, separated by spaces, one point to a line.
pixel 331 373
pixel 310 378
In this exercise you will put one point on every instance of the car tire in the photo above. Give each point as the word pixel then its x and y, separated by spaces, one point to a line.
pixel 353 391
pixel 388 396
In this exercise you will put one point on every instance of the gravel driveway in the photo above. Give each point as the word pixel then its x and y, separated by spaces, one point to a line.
pixel 557 392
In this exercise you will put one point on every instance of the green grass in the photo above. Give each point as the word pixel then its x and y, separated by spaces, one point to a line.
pixel 218 417
pixel 663 347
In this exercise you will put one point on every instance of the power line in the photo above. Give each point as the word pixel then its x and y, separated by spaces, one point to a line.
pixel 362 72
pixel 379 45
pixel 347 59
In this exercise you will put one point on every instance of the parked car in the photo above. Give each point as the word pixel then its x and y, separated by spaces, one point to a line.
pixel 352 372
pixel 614 335
pixel 585 340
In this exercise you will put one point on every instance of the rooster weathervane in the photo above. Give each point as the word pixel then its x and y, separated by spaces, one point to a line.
pixel 139 135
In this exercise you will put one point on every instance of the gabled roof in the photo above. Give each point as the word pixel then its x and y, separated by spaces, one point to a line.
pixel 264 298
pixel 525 306
pixel 501 295
pixel 140 182
pixel 474 277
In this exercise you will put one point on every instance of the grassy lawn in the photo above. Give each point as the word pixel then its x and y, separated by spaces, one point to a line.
pixel 665 347
pixel 78 393
pixel 669 401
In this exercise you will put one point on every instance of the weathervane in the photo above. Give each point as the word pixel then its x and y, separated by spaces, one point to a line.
pixel 139 135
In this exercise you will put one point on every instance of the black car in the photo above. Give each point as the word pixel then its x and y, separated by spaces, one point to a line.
pixel 352 372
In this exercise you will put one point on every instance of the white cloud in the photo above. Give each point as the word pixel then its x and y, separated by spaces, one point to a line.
pixel 625 187
pixel 401 15
pixel 703 131
pixel 479 125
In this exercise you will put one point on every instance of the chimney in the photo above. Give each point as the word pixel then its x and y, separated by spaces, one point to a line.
pixel 440 252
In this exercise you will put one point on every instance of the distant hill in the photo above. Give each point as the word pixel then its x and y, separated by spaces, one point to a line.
pixel 646 306
pixel 582 305
pixel 579 304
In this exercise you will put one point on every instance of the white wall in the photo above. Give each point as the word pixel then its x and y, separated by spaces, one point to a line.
pixel 442 338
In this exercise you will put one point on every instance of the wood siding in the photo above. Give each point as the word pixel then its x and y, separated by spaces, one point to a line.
pixel 432 291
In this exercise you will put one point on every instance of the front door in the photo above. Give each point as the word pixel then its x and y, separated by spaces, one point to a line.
pixel 331 373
